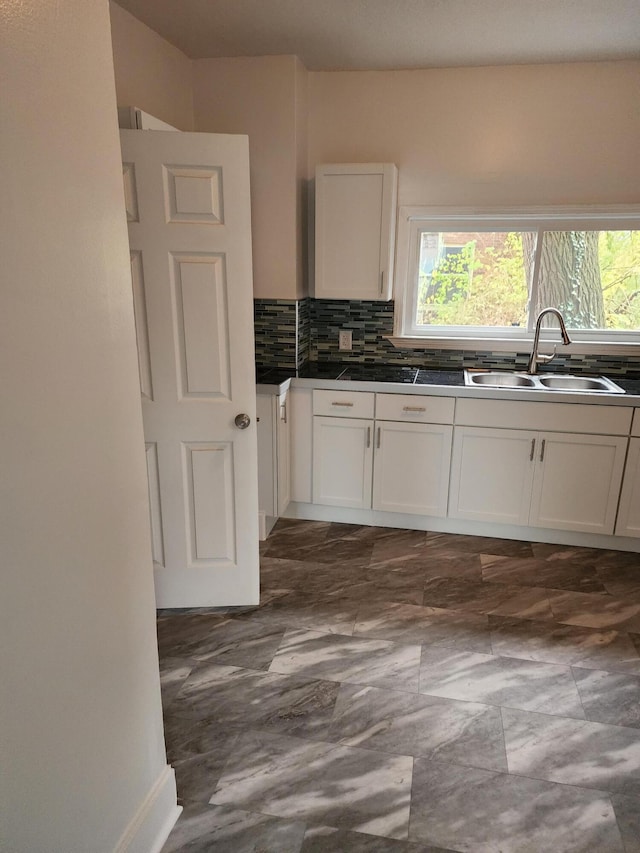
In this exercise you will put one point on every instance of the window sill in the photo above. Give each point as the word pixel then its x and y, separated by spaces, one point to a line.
pixel 521 345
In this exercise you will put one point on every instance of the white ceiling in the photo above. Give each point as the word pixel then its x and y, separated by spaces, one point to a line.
pixel 383 34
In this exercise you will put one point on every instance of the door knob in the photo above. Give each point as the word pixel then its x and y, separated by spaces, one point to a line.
pixel 242 421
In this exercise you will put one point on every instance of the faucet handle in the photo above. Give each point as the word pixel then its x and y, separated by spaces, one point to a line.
pixel 545 359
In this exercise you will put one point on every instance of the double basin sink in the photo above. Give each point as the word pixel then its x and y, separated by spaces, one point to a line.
pixel 546 382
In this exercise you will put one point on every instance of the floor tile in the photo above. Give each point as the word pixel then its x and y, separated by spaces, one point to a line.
pixel 205 828
pixel 452 542
pixel 197 777
pixel 599 558
pixel 352 551
pixel 573 645
pixel 180 633
pixel 335 615
pixel 327 839
pixel 609 697
pixel 239 642
pixel 622 581
pixel 483 812
pixel 234 699
pixel 319 783
pixel 627 810
pixel 186 738
pixel 484 597
pixel 507 682
pixel 380 663
pixel 378 656
pixel 575 752
pixel 428 565
pixel 595 611
pixel 531 571
pixel 434 626
pixel 173 674
pixel 402 544
pixel 462 732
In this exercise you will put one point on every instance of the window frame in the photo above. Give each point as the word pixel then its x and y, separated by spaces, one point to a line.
pixel 414 220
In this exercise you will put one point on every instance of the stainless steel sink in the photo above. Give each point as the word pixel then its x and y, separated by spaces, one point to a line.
pixel 501 380
pixel 579 383
pixel 546 382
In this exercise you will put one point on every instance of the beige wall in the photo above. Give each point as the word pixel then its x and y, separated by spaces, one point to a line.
pixel 257 96
pixel 81 727
pixel 518 135
pixel 150 73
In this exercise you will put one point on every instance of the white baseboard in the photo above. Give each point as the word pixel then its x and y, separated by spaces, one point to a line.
pixel 316 512
pixel 155 818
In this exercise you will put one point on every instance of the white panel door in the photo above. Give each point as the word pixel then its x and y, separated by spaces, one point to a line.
pixel 492 474
pixel 190 236
pixel 577 481
pixel 629 512
pixel 411 468
pixel 342 462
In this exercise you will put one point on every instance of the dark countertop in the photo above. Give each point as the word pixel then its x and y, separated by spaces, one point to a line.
pixel 368 372
pixel 359 372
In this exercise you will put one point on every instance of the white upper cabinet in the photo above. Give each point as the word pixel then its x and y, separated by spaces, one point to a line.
pixel 355 230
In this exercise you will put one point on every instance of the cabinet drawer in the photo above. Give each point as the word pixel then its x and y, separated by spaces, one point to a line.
pixel 414 408
pixel 635 428
pixel 561 417
pixel 343 404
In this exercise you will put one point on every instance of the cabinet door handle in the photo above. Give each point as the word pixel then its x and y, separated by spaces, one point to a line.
pixel 544 441
pixel 533 449
pixel 414 409
pixel 368 436
pixel 338 403
pixel 378 439
pixel 283 412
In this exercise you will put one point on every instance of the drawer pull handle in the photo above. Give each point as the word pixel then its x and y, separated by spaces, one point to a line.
pixel 414 409
pixel 336 403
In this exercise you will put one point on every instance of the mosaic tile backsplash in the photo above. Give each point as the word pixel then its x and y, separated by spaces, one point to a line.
pixel 290 332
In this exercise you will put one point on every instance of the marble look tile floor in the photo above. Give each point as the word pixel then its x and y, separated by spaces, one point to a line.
pixel 399 691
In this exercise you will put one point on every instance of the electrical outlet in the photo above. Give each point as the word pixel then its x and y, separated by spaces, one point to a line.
pixel 345 339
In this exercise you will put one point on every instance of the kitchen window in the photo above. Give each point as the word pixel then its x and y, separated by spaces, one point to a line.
pixel 479 280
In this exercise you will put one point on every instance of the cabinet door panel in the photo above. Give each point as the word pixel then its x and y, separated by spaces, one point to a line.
pixel 629 513
pixel 283 433
pixel 411 468
pixel 577 482
pixel 491 475
pixel 342 462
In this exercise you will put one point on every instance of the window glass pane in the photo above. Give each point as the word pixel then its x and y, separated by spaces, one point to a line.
pixel 592 277
pixel 474 278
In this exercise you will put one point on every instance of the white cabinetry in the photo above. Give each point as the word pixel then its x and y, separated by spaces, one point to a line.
pixel 557 480
pixel 355 230
pixel 342 460
pixel 629 511
pixel 274 457
pixel 395 463
pixel 491 475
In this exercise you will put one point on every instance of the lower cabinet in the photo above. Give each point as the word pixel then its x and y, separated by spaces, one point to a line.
pixel 629 512
pixel 563 481
pixel 342 461
pixel 411 468
pixel 395 467
pixel 274 457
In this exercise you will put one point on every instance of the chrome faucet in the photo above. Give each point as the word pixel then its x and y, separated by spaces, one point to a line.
pixel 537 357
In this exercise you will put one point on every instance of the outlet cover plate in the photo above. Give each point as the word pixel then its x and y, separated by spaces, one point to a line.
pixel 345 339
